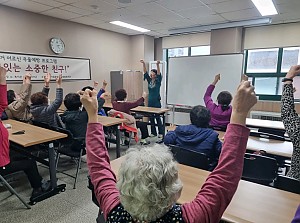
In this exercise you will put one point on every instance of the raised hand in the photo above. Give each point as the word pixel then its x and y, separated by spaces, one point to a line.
pixel 217 78
pixel 2 75
pixel 96 83
pixel 59 81
pixel 89 100
pixel 104 84
pixel 142 61
pixel 144 95
pixel 158 62
pixel 47 79
pixel 243 101
pixel 27 78
pixel 294 71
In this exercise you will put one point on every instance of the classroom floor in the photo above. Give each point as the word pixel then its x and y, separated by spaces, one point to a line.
pixel 71 206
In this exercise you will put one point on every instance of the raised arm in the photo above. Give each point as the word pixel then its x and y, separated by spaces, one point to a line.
pixel 209 103
pixel 3 90
pixel 102 90
pixel 136 103
pixel 220 186
pixel 46 88
pixel 158 67
pixel 291 120
pixel 144 66
pixel 24 94
pixel 54 106
pixel 103 178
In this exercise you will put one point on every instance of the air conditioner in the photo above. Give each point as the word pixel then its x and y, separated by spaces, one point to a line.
pixel 273 116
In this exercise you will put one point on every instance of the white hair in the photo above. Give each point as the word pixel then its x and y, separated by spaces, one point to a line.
pixel 148 182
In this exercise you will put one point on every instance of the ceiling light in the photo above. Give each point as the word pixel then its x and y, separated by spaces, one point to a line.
pixel 265 7
pixel 124 1
pixel 129 26
pixel 206 28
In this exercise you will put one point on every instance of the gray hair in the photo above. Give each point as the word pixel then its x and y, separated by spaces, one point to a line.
pixel 148 182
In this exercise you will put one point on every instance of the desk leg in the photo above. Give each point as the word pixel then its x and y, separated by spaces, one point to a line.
pixel 52 169
pixel 118 139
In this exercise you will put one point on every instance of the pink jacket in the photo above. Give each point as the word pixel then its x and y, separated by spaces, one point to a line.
pixel 210 202
pixel 4 145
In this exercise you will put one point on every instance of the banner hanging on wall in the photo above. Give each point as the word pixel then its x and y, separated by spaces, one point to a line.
pixel 17 64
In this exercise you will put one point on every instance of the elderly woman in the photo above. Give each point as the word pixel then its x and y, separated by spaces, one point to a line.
pixel 291 120
pixel 148 185
pixel 40 110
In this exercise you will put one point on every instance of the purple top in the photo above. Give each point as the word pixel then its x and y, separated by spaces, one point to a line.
pixel 219 118
pixel 297 216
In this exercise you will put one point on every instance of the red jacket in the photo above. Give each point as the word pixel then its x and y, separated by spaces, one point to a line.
pixel 4 145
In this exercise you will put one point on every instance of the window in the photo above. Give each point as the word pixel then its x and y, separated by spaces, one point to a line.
pixel 200 50
pixel 262 61
pixel 267 67
pixel 178 52
pixel 290 57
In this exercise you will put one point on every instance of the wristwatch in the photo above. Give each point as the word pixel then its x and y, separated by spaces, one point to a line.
pixel 287 79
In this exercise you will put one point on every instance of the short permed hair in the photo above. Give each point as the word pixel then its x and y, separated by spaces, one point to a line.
pixel 10 96
pixel 39 98
pixel 200 116
pixel 121 94
pixel 148 182
pixel 72 101
pixel 224 99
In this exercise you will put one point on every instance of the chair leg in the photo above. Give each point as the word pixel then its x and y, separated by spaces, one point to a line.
pixel 77 170
pixel 14 192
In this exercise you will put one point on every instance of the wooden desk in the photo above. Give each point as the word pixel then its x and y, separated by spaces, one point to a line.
pixel 271 146
pixel 150 110
pixel 267 126
pixel 113 123
pixel 251 202
pixel 33 136
pixel 110 121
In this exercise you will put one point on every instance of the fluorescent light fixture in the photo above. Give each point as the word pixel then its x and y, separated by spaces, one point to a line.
pixel 129 26
pixel 265 7
pixel 206 28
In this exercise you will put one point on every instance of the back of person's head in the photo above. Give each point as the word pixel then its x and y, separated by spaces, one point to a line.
pixel 148 182
pixel 154 71
pixel 200 116
pixel 72 101
pixel 121 94
pixel 224 99
pixel 39 98
pixel 87 87
pixel 10 96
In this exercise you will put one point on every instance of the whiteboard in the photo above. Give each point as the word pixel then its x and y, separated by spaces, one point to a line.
pixel 189 77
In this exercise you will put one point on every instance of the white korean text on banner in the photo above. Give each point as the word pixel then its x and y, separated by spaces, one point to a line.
pixel 18 64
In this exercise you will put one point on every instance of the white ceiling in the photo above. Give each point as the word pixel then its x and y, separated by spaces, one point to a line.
pixel 157 15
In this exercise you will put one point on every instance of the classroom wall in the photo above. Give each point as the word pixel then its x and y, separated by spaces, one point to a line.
pixel 28 32
pixel 281 35
pixel 199 39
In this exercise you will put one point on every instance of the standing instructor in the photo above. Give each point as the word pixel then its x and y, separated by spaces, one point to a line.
pixel 154 83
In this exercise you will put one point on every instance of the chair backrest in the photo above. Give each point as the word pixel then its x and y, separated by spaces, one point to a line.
pixel 259 169
pixel 190 158
pixel 287 184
